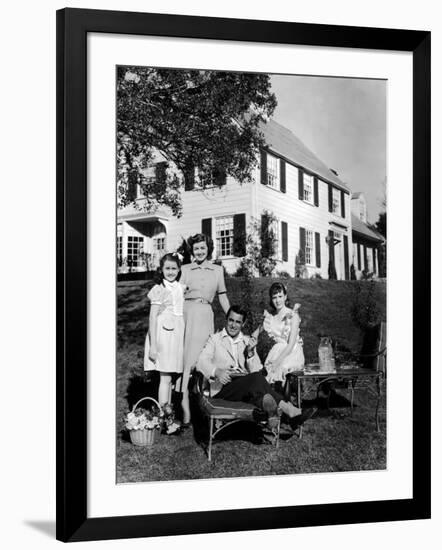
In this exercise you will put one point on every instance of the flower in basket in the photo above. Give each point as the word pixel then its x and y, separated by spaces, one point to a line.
pixel 142 419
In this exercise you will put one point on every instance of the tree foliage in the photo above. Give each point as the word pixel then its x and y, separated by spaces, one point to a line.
pixel 205 123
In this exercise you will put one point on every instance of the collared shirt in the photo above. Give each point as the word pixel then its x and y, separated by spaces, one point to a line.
pixel 202 280
pixel 234 346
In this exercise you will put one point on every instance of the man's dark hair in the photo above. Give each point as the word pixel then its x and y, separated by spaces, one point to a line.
pixel 239 311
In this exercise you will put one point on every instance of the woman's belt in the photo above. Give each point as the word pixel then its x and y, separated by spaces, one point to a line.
pixel 199 301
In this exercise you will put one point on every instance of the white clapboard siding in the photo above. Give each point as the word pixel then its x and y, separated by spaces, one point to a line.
pixel 288 208
pixel 228 200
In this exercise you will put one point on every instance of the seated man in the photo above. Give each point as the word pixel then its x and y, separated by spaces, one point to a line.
pixel 229 360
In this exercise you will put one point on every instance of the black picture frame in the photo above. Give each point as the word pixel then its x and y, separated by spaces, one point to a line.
pixel 73 25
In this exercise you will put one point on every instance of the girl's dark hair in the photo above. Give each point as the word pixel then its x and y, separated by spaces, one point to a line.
pixel 200 238
pixel 275 289
pixel 169 257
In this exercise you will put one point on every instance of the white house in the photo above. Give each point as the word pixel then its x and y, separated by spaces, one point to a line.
pixel 366 240
pixel 310 202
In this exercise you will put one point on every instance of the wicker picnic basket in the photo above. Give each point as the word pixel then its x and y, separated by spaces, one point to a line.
pixel 145 437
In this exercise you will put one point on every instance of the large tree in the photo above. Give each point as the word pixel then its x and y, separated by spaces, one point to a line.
pixel 205 123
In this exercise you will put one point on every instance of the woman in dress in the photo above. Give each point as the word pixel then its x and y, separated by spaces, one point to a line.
pixel 202 279
pixel 282 325
pixel 164 342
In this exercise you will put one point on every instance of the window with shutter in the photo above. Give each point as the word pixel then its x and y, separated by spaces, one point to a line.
pixel 132 183
pixel 189 176
pixel 331 250
pixel 309 248
pixel 346 259
pixel 308 188
pixel 300 184
pixel 263 167
pixel 224 236
pixel 239 235
pixel 318 249
pixel 219 177
pixel 161 172
pixel 273 172
pixel 284 242
pixel 336 201
pixel 330 198
pixel 315 191
pixel 265 248
pixel 282 175
pixel 302 244
pixel 206 227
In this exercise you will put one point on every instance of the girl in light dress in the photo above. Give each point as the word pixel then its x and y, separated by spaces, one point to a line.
pixel 164 341
pixel 282 325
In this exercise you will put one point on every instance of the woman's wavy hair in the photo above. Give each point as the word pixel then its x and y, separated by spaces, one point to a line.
pixel 200 238
pixel 275 288
pixel 171 257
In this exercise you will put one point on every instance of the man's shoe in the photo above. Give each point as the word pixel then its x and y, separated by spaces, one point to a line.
pixel 269 405
pixel 289 409
pixel 273 423
pixel 300 419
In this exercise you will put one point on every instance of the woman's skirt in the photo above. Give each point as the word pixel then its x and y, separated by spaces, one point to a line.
pixel 198 320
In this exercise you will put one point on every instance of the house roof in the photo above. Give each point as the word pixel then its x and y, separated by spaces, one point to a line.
pixel 356 195
pixel 284 142
pixel 362 228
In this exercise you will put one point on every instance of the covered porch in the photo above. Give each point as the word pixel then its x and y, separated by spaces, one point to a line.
pixel 141 240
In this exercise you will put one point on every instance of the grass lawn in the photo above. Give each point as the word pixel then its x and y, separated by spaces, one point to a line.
pixel 332 440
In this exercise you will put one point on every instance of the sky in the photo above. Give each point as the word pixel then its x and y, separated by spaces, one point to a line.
pixel 342 121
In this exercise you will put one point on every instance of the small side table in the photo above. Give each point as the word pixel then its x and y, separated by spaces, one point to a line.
pixel 354 375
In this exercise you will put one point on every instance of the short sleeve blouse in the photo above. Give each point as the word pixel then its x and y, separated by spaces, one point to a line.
pixel 203 280
pixel 157 295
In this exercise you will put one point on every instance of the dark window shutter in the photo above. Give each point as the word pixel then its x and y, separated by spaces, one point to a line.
pixel 330 198
pixel 263 167
pixel 315 191
pixel 301 184
pixel 365 257
pixel 318 249
pixel 265 245
pixel 346 260
pixel 285 244
pixel 302 244
pixel 342 204
pixel 359 256
pixel 239 235
pixel 374 261
pixel 189 176
pixel 282 175
pixel 219 177
pixel 160 172
pixel 331 248
pixel 206 227
pixel 132 185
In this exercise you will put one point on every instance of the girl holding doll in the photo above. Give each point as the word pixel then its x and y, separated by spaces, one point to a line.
pixel 164 341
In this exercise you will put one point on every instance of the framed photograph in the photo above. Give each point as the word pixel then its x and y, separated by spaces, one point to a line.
pixel 227 289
